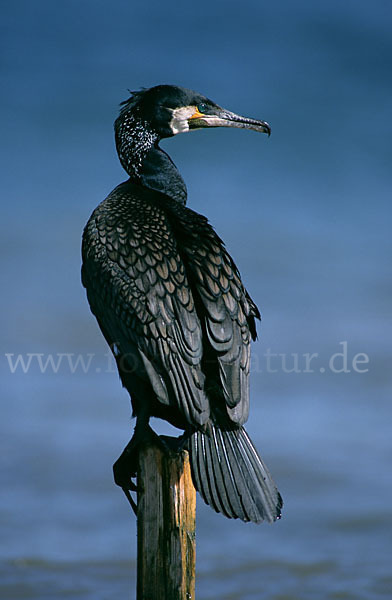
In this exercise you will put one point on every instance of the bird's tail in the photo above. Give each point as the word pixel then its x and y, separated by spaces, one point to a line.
pixel 231 477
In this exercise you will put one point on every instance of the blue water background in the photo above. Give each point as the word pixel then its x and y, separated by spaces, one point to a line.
pixel 306 214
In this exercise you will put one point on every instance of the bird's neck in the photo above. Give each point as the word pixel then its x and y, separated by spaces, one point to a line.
pixel 145 162
pixel 159 173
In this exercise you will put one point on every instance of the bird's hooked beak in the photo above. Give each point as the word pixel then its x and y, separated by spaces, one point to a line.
pixel 220 117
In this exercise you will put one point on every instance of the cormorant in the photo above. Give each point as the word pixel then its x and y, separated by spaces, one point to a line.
pixel 171 304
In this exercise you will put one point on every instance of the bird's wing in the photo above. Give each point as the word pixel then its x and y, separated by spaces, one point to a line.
pixel 138 289
pixel 229 312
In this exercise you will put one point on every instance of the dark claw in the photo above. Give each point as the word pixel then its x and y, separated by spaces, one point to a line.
pixel 130 500
pixel 132 486
pixel 175 444
pixel 124 470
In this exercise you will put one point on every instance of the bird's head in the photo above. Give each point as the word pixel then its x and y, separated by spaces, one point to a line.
pixel 169 109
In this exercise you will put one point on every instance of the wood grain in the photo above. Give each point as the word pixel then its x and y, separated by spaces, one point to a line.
pixel 166 525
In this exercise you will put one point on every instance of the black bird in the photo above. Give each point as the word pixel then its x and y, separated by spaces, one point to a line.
pixel 171 304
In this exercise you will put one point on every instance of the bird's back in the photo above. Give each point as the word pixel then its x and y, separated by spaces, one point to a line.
pixel 165 290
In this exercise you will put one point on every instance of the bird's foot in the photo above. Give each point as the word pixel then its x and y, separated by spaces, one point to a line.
pixel 125 467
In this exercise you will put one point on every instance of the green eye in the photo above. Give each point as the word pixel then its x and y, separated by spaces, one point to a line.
pixel 202 108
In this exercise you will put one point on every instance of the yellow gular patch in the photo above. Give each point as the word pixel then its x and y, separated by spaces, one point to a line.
pixel 197 114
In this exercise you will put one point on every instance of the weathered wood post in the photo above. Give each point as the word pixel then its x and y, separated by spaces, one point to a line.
pixel 166 520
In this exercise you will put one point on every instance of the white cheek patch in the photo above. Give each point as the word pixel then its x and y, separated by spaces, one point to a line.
pixel 179 120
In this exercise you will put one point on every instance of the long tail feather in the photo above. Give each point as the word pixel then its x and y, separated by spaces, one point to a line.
pixel 231 477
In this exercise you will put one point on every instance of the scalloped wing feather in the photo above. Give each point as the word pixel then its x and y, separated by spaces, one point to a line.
pixel 229 312
pixel 141 298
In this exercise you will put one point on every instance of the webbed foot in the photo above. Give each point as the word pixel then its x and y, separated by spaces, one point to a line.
pixel 125 467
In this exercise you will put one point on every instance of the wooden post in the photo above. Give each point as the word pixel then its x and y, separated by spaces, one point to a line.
pixel 166 519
